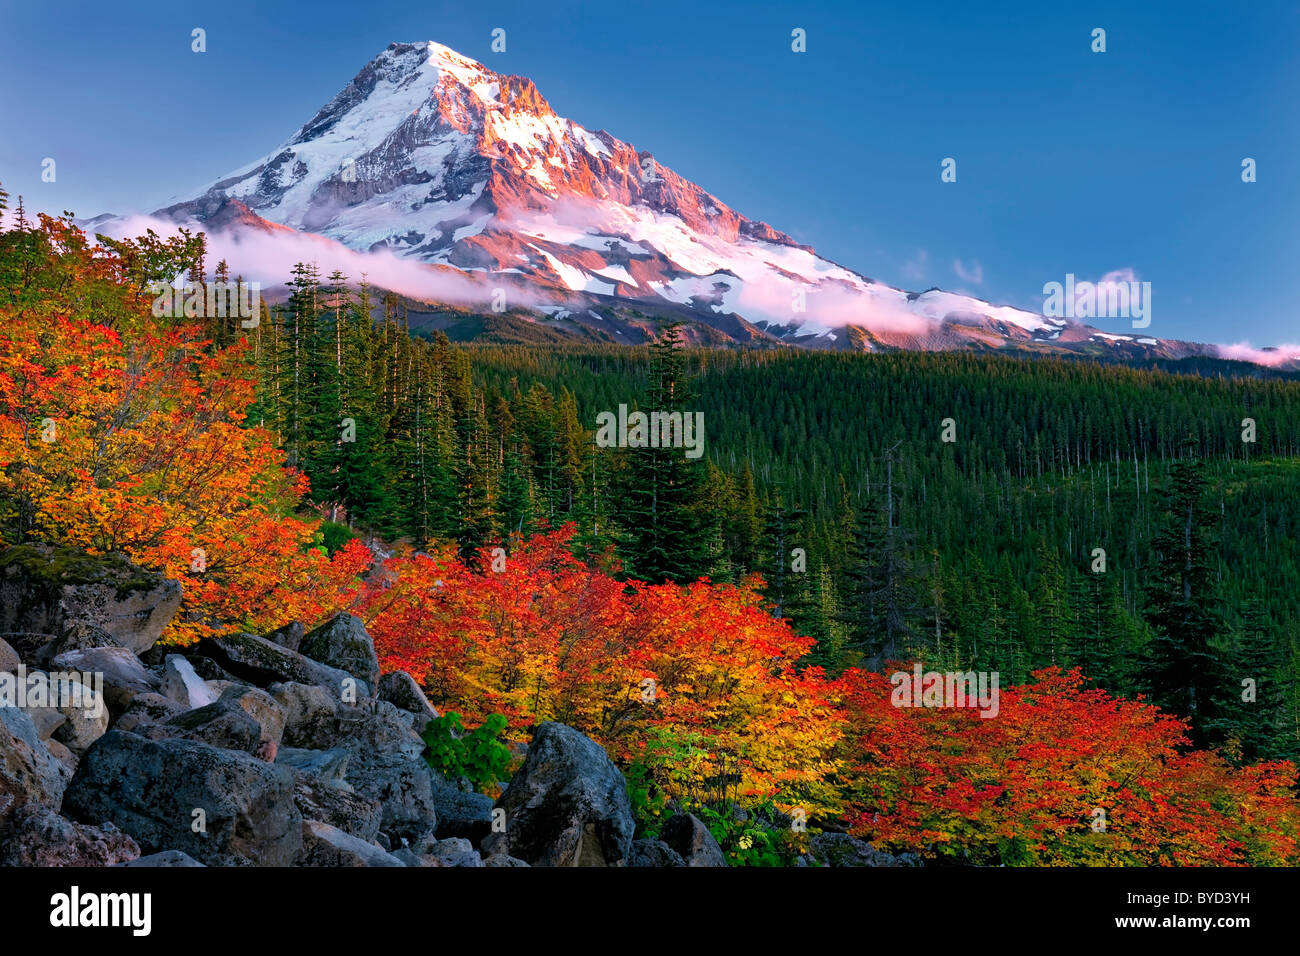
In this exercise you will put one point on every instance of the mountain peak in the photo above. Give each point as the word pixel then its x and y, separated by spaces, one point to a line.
pixel 426 149
pixel 430 155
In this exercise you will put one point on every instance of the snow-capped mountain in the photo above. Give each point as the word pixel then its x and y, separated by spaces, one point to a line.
pixel 438 160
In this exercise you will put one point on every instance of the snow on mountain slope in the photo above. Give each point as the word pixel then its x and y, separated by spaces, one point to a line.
pixel 436 159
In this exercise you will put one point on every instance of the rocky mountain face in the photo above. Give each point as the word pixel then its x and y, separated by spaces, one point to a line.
pixel 289 749
pixel 470 175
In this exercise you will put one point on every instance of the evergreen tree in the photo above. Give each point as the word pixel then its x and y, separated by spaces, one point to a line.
pixel 1055 613
pixel 744 528
pixel 783 532
pixel 824 620
pixel 662 506
pixel 1254 717
pixel 1013 663
pixel 881 590
pixel 516 507
pixel 1184 667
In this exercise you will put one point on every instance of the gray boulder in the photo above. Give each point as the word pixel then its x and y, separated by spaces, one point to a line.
pixel 29 773
pixel 692 841
pixel 44 718
pixel 265 711
pixel 85 718
pixel 401 690
pixel 182 684
pixel 79 636
pixel 460 813
pixel 37 836
pixel 147 715
pixel 43 589
pixel 289 636
pixel 567 805
pixel 326 766
pixel 165 858
pixel 653 853
pixel 152 790
pixel 455 852
pixel 385 764
pixel 61 706
pixel 63 755
pixel 9 659
pixel 840 849
pixel 310 715
pixel 209 669
pixel 123 674
pixel 262 662
pixel 342 643
pixel 222 724
pixel 324 845
pixel 33 649
pixel 339 806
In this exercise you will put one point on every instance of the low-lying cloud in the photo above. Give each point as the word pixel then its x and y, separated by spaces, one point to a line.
pixel 269 257
pixel 1272 357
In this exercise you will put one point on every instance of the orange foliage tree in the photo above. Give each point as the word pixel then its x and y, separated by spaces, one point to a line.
pixel 122 432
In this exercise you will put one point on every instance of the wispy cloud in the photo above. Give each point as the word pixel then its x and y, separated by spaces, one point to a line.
pixel 1126 275
pixel 916 268
pixel 973 273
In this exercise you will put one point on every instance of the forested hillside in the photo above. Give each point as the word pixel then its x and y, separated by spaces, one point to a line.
pixel 972 511
pixel 991 556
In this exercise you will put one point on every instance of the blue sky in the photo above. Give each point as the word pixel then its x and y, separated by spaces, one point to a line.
pixel 1067 161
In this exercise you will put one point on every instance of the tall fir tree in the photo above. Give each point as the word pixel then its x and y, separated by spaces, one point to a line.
pixel 882 602
pixel 667 520
pixel 1253 719
pixel 783 561
pixel 1184 671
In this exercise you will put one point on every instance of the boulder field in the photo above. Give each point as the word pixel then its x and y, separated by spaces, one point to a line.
pixel 287 749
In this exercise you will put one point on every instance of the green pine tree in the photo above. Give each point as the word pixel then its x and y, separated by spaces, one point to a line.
pixel 667 520
pixel 1184 667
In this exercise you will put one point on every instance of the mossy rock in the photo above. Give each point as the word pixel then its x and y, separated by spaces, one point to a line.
pixel 72 595
pixel 52 568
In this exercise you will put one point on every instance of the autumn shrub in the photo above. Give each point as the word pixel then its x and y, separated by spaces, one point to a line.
pixel 666 778
pixel 334 537
pixel 550 638
pixel 757 835
pixel 1064 775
